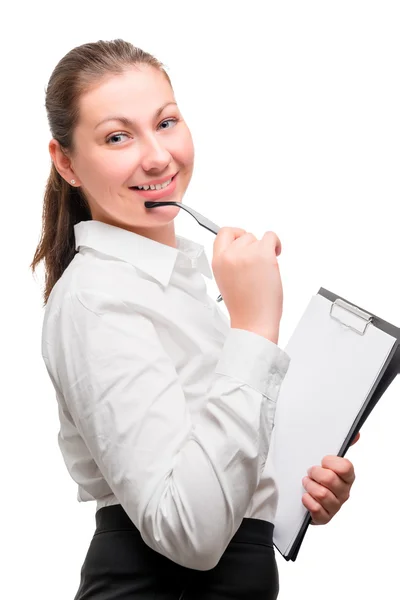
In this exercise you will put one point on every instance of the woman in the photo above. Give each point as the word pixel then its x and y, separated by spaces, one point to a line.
pixel 166 408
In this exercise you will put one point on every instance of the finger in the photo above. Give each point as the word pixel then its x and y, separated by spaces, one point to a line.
pixel 318 514
pixel 225 237
pixel 355 439
pixel 331 481
pixel 322 495
pixel 245 240
pixel 271 239
pixel 341 466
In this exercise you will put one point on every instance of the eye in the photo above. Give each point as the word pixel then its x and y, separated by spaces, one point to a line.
pixel 113 136
pixel 174 121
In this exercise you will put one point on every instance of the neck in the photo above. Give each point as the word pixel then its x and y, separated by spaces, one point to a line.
pixel 164 235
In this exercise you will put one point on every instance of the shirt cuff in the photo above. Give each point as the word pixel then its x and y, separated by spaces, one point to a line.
pixel 255 360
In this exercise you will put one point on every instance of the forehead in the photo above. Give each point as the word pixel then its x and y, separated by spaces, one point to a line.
pixel 137 92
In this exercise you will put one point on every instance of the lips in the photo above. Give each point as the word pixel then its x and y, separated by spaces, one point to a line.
pixel 157 194
pixel 155 182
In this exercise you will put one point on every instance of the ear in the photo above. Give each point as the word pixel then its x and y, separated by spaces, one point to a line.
pixel 62 163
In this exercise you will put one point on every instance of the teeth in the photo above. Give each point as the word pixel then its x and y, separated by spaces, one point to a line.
pixel 159 186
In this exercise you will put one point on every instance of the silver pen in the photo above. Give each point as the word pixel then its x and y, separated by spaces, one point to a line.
pixel 203 221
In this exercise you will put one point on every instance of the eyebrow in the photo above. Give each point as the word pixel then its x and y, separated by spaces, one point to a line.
pixel 127 122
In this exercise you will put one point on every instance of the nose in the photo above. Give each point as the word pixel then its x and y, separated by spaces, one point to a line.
pixel 155 155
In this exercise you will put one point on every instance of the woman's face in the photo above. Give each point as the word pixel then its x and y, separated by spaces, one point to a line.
pixel 131 133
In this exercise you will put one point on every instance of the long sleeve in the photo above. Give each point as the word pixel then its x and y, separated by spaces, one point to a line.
pixel 185 485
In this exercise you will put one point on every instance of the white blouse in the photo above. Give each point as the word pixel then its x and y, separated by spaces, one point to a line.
pixel 164 408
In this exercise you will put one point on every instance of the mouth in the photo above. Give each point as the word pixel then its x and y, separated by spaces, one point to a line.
pixel 161 190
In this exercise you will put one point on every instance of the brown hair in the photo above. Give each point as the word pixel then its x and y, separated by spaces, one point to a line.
pixel 64 206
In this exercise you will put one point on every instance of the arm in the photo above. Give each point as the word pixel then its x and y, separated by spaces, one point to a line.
pixel 185 486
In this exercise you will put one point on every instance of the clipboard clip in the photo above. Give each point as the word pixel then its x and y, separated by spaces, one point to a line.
pixel 350 316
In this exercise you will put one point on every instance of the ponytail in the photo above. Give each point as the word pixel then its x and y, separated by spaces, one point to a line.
pixel 63 207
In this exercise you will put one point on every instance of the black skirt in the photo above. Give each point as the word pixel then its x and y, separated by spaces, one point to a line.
pixel 120 566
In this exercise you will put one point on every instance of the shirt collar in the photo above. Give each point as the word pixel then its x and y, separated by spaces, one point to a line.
pixel 154 258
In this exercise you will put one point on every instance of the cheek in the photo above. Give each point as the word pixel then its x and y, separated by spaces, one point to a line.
pixel 184 150
pixel 113 167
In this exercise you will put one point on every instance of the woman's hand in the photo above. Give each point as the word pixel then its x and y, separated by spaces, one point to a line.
pixel 328 487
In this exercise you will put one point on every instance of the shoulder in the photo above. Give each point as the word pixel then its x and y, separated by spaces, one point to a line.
pixel 101 283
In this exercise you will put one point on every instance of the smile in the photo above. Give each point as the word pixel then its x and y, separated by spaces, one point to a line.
pixel 159 186
pixel 155 192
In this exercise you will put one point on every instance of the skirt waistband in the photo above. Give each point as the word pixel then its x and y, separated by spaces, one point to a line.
pixel 251 531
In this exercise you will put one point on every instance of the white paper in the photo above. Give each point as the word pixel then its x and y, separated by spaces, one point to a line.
pixel 331 373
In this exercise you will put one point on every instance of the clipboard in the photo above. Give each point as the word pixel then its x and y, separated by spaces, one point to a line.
pixel 325 399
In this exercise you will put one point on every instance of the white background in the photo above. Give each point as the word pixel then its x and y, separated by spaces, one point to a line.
pixel 294 110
